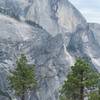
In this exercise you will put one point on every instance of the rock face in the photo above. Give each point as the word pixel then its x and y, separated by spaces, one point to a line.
pixel 56 16
pixel 96 30
pixel 51 33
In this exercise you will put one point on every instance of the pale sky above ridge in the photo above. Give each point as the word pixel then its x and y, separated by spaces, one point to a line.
pixel 89 8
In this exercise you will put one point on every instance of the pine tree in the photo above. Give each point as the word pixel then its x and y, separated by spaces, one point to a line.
pixel 81 78
pixel 22 79
pixel 94 96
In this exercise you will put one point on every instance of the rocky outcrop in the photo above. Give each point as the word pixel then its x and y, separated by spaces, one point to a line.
pixel 52 33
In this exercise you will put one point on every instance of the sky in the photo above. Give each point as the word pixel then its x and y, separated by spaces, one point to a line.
pixel 89 8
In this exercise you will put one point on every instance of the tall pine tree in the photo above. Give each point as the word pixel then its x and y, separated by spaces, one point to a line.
pixel 81 78
pixel 22 79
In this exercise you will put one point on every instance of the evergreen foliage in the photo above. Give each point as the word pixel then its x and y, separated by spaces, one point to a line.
pixel 79 81
pixel 22 79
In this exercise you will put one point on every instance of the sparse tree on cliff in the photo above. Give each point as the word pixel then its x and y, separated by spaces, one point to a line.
pixel 81 78
pixel 22 79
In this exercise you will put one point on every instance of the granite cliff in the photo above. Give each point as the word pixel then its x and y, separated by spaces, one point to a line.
pixel 52 33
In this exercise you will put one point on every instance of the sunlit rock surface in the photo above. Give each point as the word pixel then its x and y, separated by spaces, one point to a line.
pixel 56 16
pixel 52 33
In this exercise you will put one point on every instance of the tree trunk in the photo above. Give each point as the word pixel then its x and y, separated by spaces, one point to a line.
pixel 23 93
pixel 23 96
pixel 81 88
pixel 82 93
